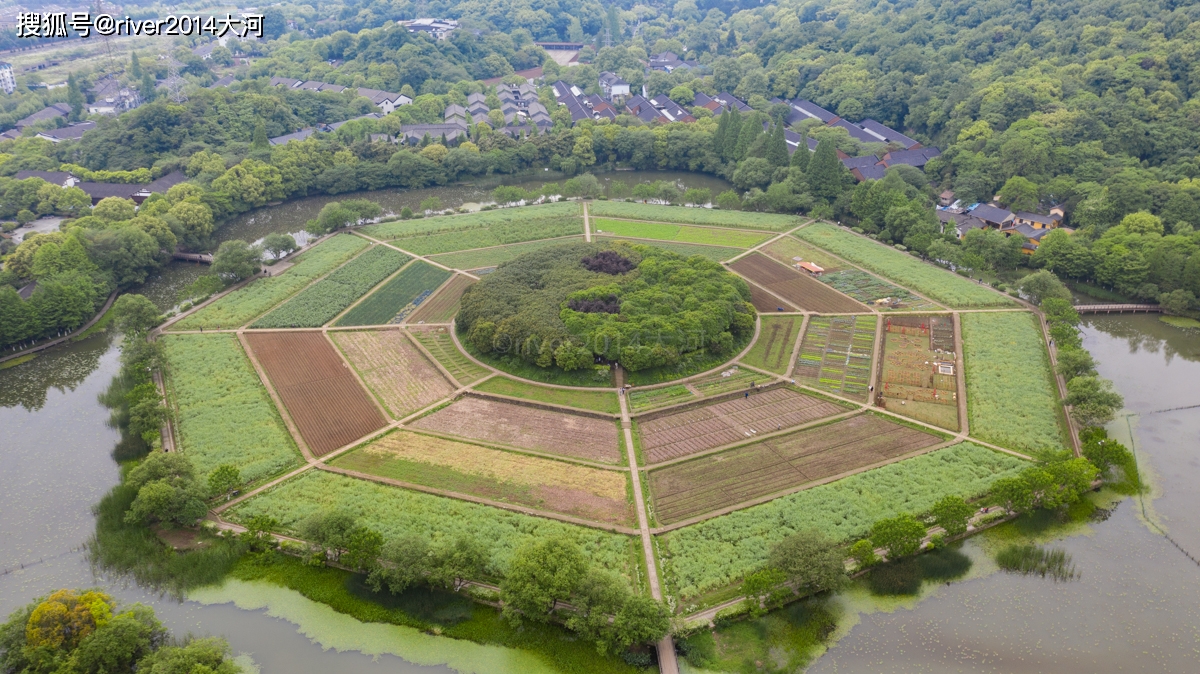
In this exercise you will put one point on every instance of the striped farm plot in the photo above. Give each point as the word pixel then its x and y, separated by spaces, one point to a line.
pixel 669 435
pixel 794 286
pixel 443 305
pixel 557 486
pixel 394 369
pixel 776 340
pixel 680 233
pixel 438 342
pixel 836 354
pixel 527 427
pixel 708 483
pixel 399 297
pixel 731 379
pixel 648 399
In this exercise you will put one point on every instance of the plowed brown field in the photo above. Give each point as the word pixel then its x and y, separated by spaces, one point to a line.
pixel 796 287
pixel 716 481
pixel 320 392
pixel 394 369
pixel 527 427
pixel 443 305
pixel 766 302
pixel 701 428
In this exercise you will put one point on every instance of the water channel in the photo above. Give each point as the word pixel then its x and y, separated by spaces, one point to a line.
pixel 1135 608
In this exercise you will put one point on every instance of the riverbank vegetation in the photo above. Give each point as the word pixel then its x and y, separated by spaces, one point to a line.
pixel 79 631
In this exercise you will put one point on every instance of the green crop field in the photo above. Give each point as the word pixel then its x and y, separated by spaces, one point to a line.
pixel 599 401
pixel 716 384
pixel 319 303
pixel 490 257
pixel 477 220
pixel 224 413
pixel 464 370
pixel 680 233
pixel 788 248
pixel 239 307
pixel 722 550
pixel 408 288
pixel 694 216
pixel 1012 400
pixel 867 288
pixel 640 401
pixel 836 355
pixel 446 234
pixel 776 340
pixel 933 282
pixel 397 513
pixel 714 253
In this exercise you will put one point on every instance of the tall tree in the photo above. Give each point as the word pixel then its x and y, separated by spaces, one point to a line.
pixel 540 575
pixel 825 171
pixel 260 141
pixel 777 152
pixel 75 99
pixel 135 67
pixel 749 132
pixel 729 147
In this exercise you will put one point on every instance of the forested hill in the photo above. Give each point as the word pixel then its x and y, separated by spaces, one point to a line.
pixel 1039 89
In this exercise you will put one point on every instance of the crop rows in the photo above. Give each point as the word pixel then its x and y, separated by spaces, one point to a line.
pixel 680 233
pixel 867 288
pixel 836 354
pixel 394 369
pixel 677 434
pixel 718 383
pixel 319 303
pixel 383 305
pixel 720 551
pixel 443 306
pixel 695 216
pixel 526 427
pixel 794 286
pixel 787 249
pixel 691 488
pixel 640 401
pixel 493 228
pixel 776 339
pixel 557 486
pixel 399 513
pixel 1010 398
pixel 241 306
pixel 439 343
pixel 909 382
pixel 714 253
pixel 943 286
pixel 322 396
pixel 478 220
pixel 490 257
pixel 225 416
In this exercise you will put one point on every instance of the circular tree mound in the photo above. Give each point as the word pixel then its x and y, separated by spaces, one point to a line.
pixel 576 305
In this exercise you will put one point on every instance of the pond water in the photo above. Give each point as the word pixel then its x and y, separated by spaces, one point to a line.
pixel 1135 608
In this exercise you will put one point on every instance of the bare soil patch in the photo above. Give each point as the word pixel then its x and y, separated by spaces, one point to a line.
pixel 720 480
pixel 917 369
pixel 794 286
pixel 444 304
pixel 700 428
pixel 527 427
pixel 394 369
pixel 320 392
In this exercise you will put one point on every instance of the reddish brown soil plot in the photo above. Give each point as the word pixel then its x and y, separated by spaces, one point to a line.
pixel 443 305
pixel 517 425
pixel 796 287
pixel 720 480
pixel 321 394
pixel 700 428
pixel 767 303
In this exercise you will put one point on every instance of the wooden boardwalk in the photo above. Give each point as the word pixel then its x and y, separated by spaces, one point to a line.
pixel 1117 308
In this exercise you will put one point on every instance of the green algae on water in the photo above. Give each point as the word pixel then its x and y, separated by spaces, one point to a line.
pixel 340 632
